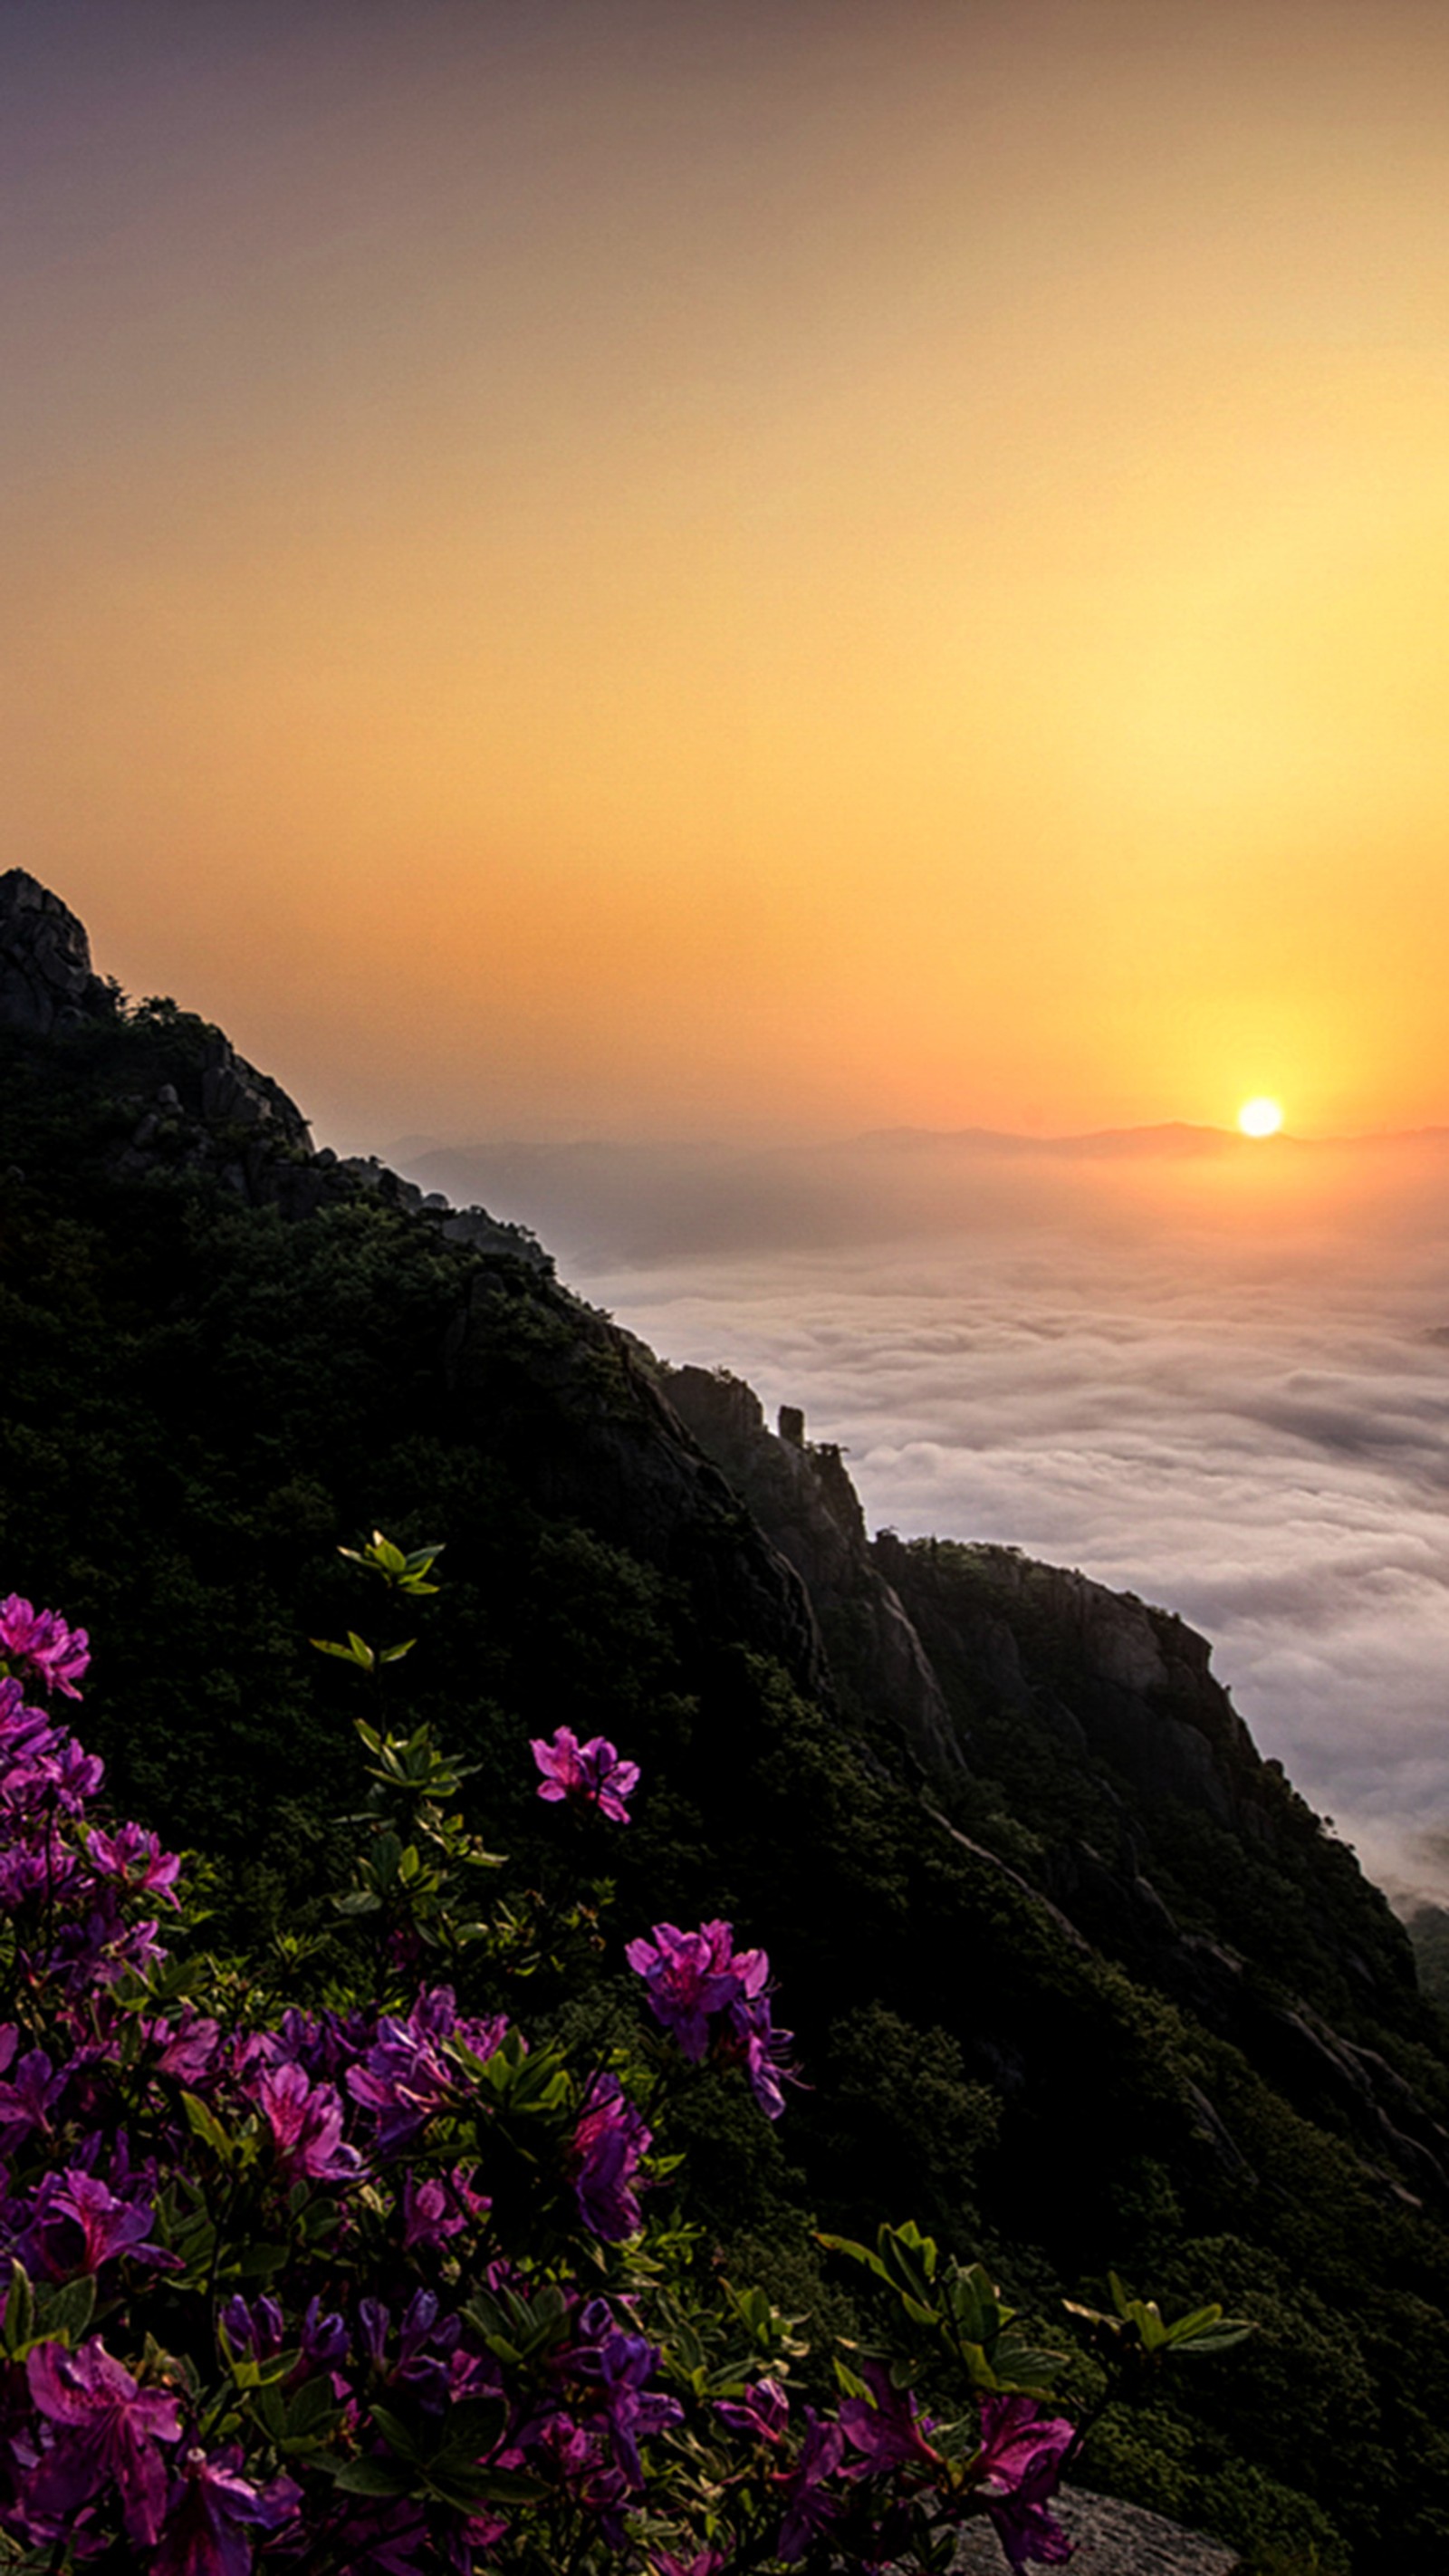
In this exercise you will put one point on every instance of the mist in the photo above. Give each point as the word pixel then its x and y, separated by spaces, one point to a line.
pixel 1212 1373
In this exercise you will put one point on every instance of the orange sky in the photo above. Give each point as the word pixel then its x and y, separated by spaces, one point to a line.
pixel 718 565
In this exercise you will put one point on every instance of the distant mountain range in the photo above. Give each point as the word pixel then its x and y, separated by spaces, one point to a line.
pixel 599 1201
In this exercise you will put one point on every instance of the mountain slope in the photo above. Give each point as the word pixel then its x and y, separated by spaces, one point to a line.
pixel 1075 1977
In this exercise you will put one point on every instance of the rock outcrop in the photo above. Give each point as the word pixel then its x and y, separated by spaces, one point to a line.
pixel 46 979
pixel 801 1493
pixel 1109 2539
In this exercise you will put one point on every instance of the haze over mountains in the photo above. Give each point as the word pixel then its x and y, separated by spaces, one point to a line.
pixel 599 1199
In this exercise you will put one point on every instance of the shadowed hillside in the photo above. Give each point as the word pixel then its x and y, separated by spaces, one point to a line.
pixel 1077 1979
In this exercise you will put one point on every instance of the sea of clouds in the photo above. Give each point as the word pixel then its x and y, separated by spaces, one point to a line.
pixel 1217 1376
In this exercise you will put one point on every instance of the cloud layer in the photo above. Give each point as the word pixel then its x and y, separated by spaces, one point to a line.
pixel 1237 1407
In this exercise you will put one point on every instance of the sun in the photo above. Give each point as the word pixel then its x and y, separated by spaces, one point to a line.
pixel 1260 1117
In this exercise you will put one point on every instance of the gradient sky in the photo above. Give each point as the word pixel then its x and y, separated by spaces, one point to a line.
pixel 695 566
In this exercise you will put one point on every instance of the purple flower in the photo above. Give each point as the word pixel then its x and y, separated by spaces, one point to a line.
pixel 77 2223
pixel 306 2125
pixel 764 2410
pixel 749 2041
pixel 188 2048
pixel 136 1859
pixel 886 2428
pixel 1021 2457
pixel 425 2347
pixel 608 2144
pixel 27 2101
pixel 807 2509
pixel 211 2511
pixel 384 2540
pixel 623 2363
pixel 578 2458
pixel 713 1998
pixel 439 2207
pixel 256 2332
pixel 102 2427
pixel 591 1774
pixel 689 1976
pixel 39 1638
pixel 406 2078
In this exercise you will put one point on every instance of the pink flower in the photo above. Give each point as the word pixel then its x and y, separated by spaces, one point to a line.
pixel 78 2224
pixel 103 2428
pixel 213 2510
pixel 435 2209
pixel 1022 2455
pixel 306 2124
pixel 713 1998
pixel 590 1775
pixel 886 2429
pixel 136 1859
pixel 689 1976
pixel 39 1638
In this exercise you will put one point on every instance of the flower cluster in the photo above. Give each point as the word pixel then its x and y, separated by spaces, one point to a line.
pixel 56 1654
pixel 369 2287
pixel 714 2000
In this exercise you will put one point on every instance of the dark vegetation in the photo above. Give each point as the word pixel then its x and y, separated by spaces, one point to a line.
pixel 1049 2003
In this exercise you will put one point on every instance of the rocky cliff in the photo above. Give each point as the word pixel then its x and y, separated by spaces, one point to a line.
pixel 985 1659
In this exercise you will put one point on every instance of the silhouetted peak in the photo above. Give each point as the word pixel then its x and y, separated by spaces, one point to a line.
pixel 46 979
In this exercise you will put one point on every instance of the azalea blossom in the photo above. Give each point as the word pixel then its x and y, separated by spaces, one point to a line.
pixel 809 2509
pixel 100 2428
pixel 41 1639
pixel 590 1775
pixel 1022 2454
pixel 689 1977
pixel 886 2426
pixel 212 2509
pixel 609 2142
pixel 77 2223
pixel 27 2100
pixel 764 2410
pixel 406 2078
pixel 714 2000
pixel 136 1859
pixel 306 2125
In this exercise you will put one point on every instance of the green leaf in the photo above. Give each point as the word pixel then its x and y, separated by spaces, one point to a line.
pixel 19 2311
pixel 258 2261
pixel 374 2478
pixel 313 2406
pixel 396 2435
pixel 855 2253
pixel 474 2426
pixel 512 2486
pixel 64 2314
pixel 203 2124
pixel 356 1651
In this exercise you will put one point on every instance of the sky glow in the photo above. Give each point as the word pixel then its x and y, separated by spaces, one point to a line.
pixel 733 570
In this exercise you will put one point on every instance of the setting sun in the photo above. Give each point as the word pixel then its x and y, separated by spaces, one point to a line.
pixel 1260 1117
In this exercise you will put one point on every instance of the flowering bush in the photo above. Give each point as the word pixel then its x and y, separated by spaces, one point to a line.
pixel 376 2285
